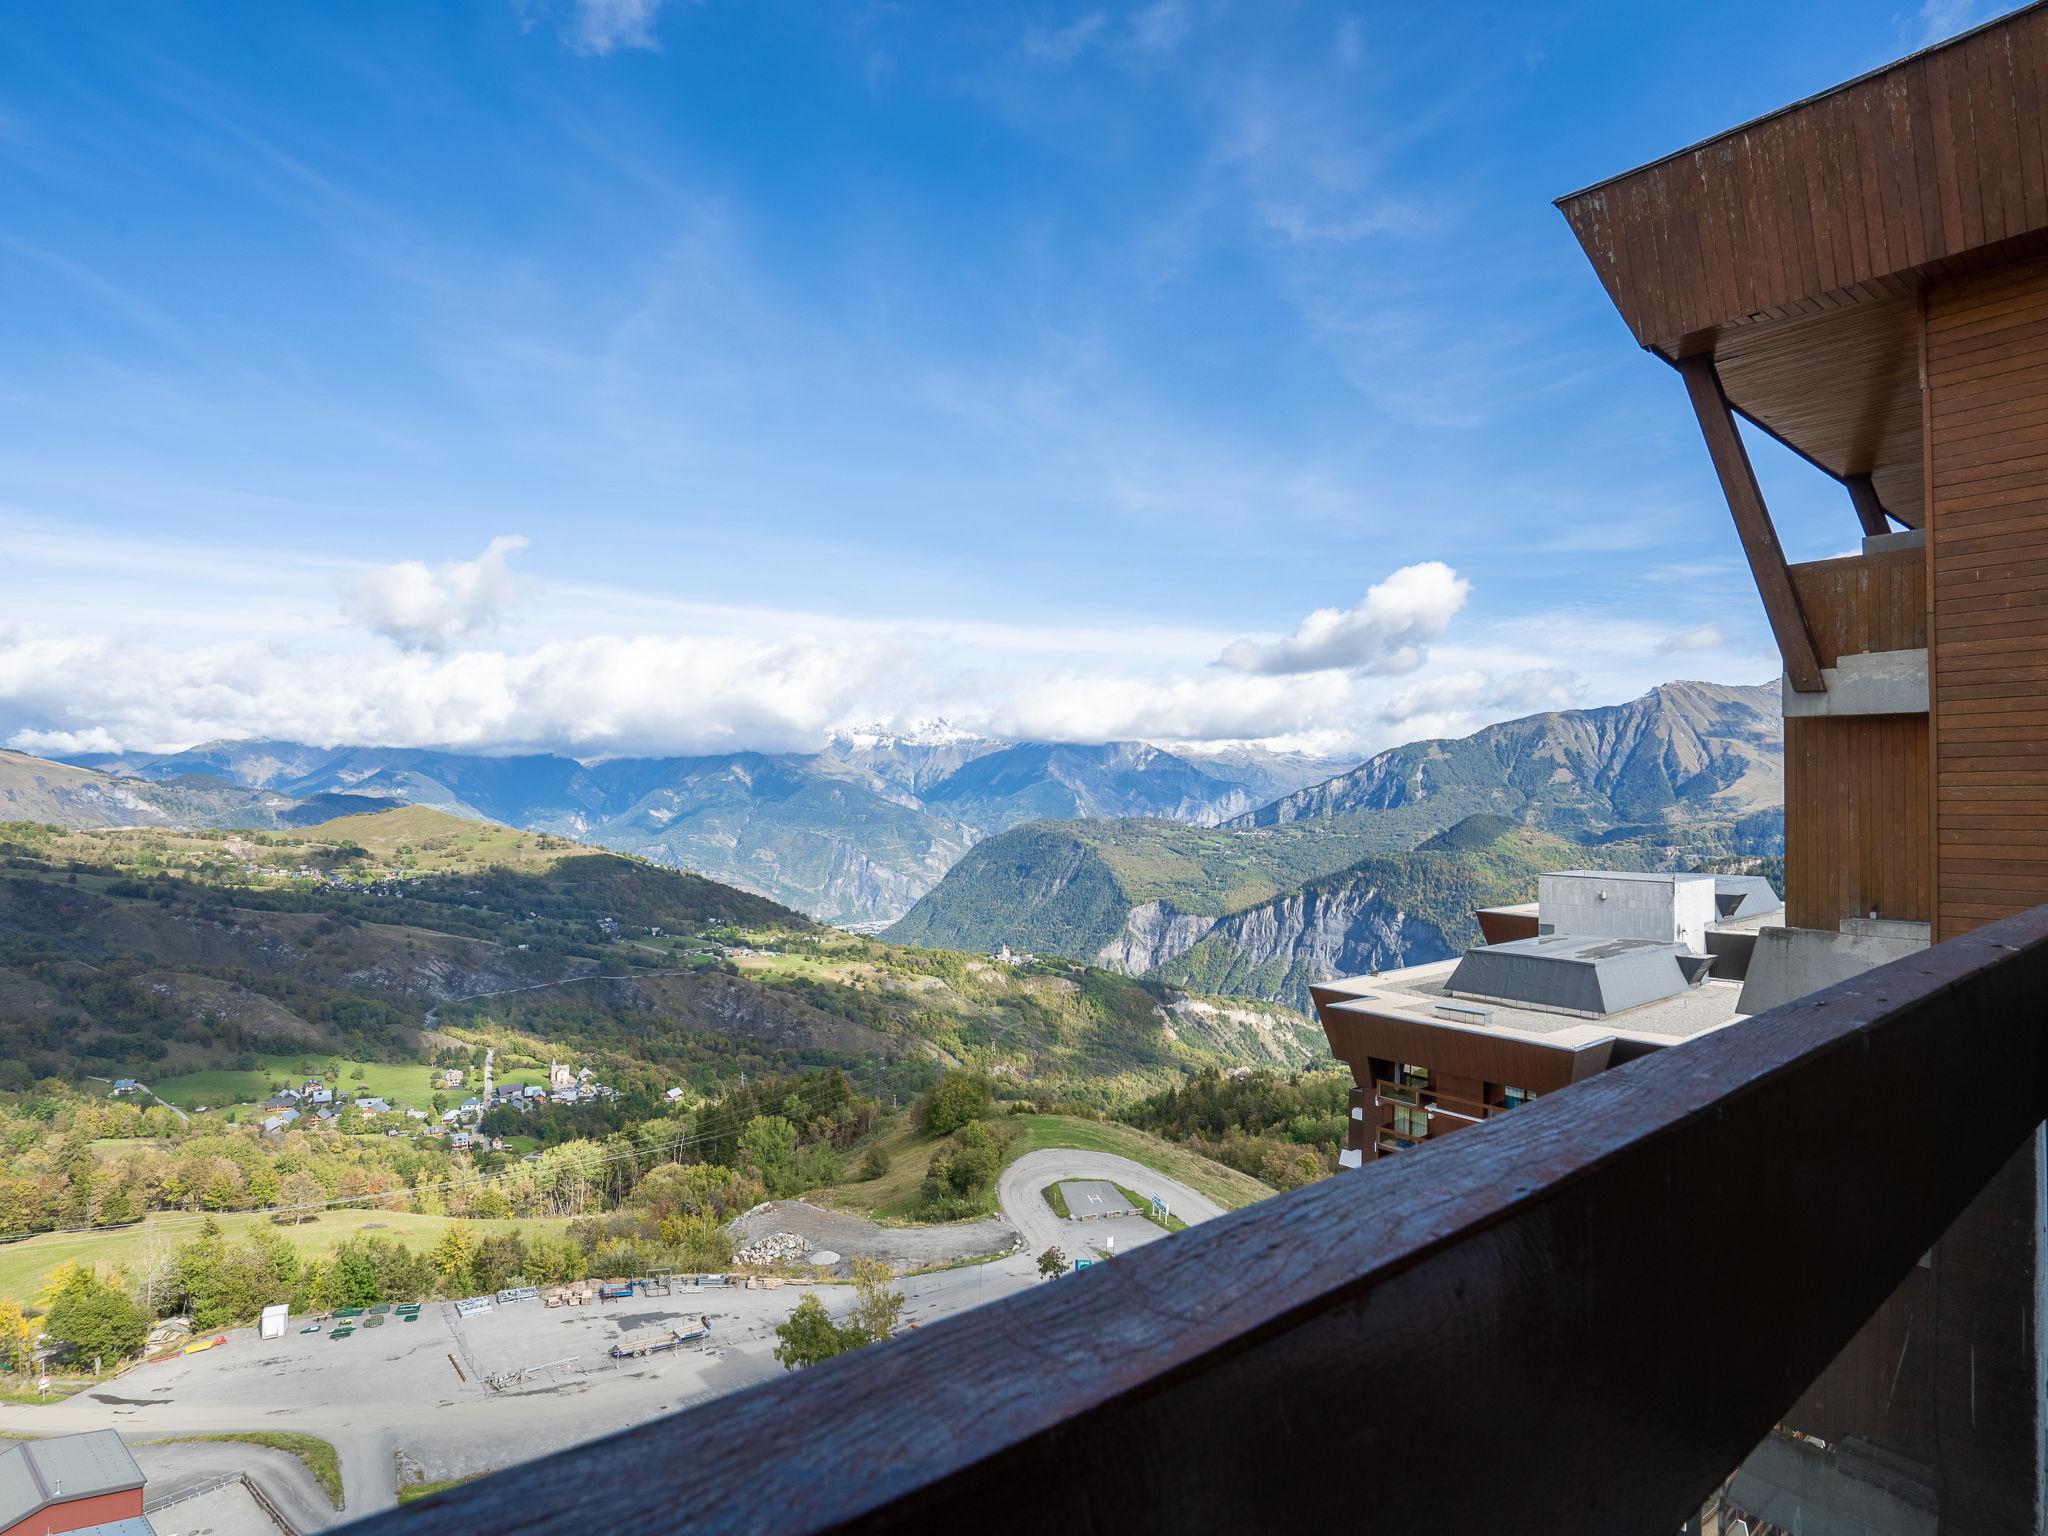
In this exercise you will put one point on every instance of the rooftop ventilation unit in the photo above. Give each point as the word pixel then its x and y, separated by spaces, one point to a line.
pixel 1573 973
pixel 1465 1013
pixel 1628 904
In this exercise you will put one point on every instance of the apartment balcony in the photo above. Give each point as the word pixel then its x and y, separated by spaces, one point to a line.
pixel 1581 1317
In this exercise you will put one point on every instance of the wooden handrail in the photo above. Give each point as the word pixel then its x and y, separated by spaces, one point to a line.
pixel 1253 1372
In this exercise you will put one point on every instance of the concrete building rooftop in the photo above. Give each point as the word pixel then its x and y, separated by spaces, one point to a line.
pixel 1420 993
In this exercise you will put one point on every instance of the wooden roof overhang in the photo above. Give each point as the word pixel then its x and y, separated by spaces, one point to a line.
pixel 1791 251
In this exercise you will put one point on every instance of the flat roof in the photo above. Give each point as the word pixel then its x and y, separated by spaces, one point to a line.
pixel 1418 993
pixel 1652 876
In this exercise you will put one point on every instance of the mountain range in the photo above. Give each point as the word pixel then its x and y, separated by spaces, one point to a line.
pixel 1382 865
pixel 853 834
pixel 175 951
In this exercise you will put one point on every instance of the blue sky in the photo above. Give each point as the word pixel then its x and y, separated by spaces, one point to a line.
pixel 617 375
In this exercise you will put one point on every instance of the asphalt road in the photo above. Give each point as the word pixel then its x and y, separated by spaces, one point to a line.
pixel 1019 1196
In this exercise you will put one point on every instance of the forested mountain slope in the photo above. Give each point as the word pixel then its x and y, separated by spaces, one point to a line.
pixel 149 952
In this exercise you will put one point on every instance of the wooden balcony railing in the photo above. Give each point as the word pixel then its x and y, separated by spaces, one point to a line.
pixel 1307 1363
pixel 1864 603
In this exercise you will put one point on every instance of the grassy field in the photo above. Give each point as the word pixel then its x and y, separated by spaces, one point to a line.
pixel 320 1457
pixel 412 838
pixel 895 1193
pixel 408 1085
pixel 1143 1204
pixel 24 1264
pixel 1226 1186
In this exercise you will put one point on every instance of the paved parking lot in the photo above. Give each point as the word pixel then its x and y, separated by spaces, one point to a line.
pixel 417 1390
pixel 413 1397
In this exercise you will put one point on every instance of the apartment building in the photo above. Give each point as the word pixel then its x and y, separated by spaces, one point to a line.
pixel 1602 968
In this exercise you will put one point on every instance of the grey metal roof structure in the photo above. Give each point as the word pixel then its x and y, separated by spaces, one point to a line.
pixel 35 1474
pixel 1570 973
pixel 1744 896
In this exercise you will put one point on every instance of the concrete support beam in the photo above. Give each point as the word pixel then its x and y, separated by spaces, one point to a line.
pixel 1874 683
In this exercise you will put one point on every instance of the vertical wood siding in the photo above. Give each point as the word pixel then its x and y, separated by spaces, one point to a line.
pixel 1856 829
pixel 1987 378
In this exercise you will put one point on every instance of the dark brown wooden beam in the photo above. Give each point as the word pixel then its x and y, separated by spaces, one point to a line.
pixel 1869 510
pixel 1752 522
pixel 1531 1326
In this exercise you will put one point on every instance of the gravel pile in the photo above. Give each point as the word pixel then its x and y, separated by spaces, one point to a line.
pixel 775 1248
pixel 855 1237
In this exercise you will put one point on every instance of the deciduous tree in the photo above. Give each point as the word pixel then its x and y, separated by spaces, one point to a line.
pixel 809 1335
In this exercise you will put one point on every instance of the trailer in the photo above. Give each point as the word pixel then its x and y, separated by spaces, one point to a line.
pixel 641 1342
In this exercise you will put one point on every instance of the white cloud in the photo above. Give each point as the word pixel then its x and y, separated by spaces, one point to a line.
pixel 600 26
pixel 1703 638
pixel 1156 29
pixel 605 694
pixel 1385 633
pixel 597 670
pixel 1160 26
pixel 1941 19
pixel 1350 49
pixel 430 610
pixel 1083 708
pixel 1062 45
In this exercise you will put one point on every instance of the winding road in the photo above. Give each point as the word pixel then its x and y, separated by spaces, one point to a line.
pixel 1018 1194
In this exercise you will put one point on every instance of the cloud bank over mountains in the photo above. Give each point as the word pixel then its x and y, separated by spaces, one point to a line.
pixel 477 655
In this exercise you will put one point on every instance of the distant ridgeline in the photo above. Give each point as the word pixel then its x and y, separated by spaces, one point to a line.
pixel 1382 866
pixel 855 833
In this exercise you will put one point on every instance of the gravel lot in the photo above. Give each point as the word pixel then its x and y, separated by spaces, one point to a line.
pixel 855 1237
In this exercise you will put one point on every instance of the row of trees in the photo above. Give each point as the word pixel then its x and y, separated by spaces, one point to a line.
pixel 57 1172
pixel 1283 1128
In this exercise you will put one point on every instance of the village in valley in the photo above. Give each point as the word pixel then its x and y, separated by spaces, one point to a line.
pixel 329 1103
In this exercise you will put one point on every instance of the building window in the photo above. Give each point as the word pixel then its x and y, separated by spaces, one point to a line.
pixel 1411 1077
pixel 1410 1121
pixel 1515 1098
